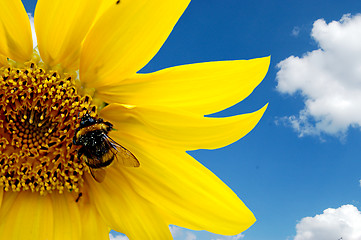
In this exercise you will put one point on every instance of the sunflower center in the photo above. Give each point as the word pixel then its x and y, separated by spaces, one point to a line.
pixel 39 112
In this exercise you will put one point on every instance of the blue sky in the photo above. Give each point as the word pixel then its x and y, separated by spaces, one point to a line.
pixel 284 173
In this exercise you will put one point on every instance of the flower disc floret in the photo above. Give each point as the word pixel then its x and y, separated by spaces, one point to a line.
pixel 39 111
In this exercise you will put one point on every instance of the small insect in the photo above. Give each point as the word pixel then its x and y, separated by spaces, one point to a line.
pixel 98 150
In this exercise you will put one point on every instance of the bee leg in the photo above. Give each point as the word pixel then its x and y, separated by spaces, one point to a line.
pixel 80 152
pixel 109 126
pixel 75 142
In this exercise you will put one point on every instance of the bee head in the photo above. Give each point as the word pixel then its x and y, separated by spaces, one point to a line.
pixel 87 120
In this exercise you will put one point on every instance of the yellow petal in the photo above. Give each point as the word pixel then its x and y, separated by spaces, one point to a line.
pixel 203 88
pixel 3 61
pixel 188 194
pixel 1 196
pixel 26 216
pixel 93 226
pixel 67 224
pixel 104 6
pixel 126 37
pixel 61 26
pixel 15 32
pixel 125 210
pixel 179 129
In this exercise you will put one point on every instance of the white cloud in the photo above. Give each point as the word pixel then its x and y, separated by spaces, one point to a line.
pixel 35 41
pixel 295 31
pixel 118 237
pixel 236 237
pixel 332 224
pixel 182 233
pixel 177 233
pixel 328 78
pixel 190 236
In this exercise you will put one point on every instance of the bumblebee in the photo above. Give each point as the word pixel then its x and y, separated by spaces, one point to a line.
pixel 98 150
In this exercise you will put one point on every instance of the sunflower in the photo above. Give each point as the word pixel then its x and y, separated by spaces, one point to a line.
pixel 84 80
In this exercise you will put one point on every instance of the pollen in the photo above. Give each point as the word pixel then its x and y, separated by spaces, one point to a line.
pixel 39 112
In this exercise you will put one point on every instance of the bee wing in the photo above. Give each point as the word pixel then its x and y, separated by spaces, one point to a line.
pixel 127 158
pixel 123 155
pixel 98 174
